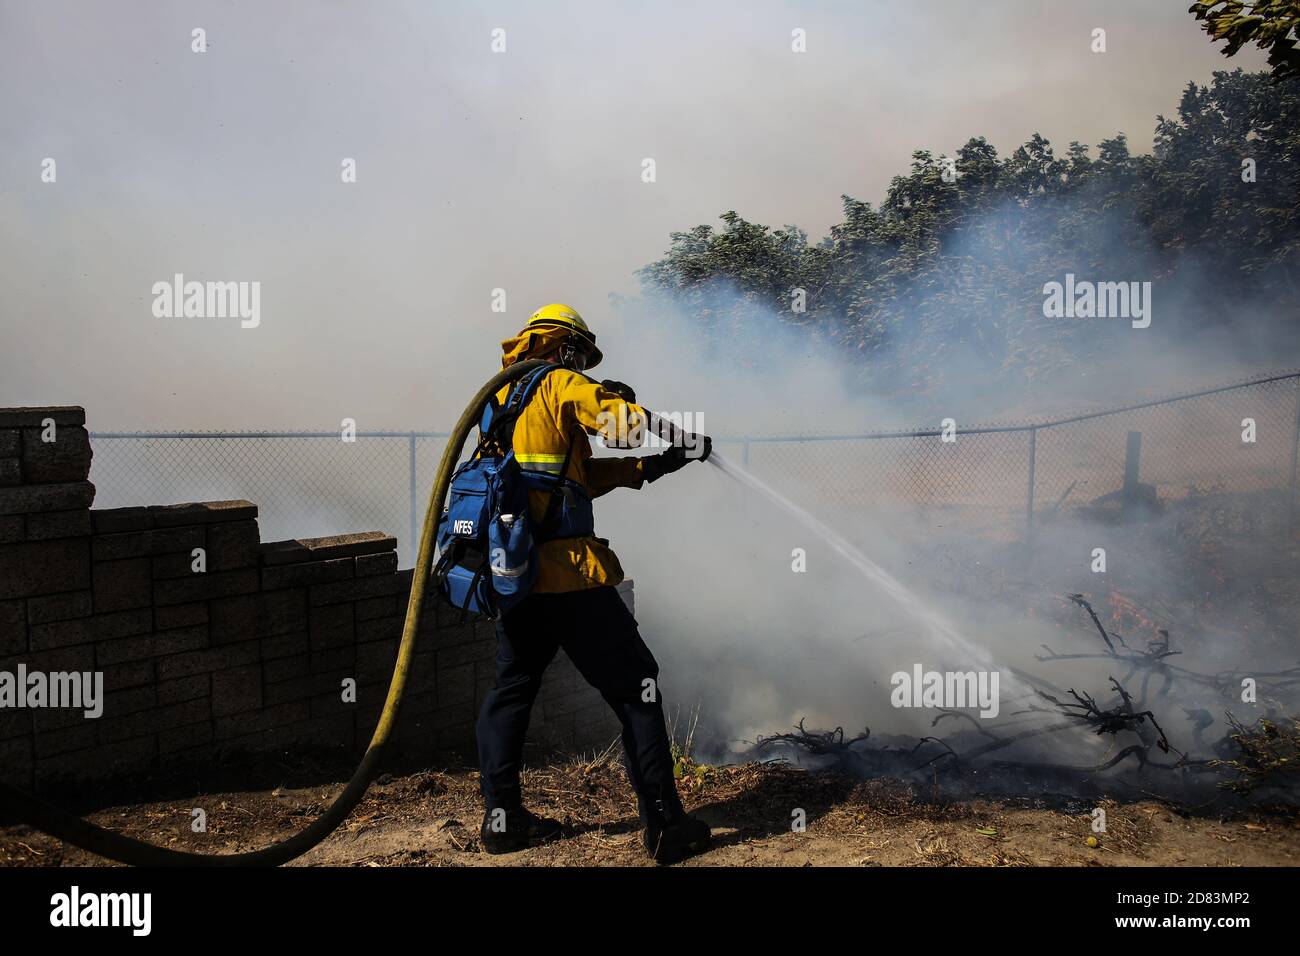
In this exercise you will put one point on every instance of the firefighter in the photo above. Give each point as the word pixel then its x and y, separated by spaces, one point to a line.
pixel 574 604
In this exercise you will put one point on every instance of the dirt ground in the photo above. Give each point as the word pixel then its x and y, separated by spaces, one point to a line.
pixel 432 819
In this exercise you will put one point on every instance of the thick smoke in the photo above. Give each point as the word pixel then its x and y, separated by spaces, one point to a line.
pixel 758 646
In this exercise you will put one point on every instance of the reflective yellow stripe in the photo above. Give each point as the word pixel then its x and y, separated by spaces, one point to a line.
pixel 550 464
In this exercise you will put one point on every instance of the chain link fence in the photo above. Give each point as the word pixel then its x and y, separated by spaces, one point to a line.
pixel 995 479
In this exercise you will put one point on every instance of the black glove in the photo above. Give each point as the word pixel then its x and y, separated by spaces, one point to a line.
pixel 618 388
pixel 675 458
pixel 654 467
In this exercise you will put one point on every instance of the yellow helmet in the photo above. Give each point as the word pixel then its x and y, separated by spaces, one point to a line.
pixel 560 316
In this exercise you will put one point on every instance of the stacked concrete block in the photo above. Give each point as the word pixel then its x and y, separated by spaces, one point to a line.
pixel 212 645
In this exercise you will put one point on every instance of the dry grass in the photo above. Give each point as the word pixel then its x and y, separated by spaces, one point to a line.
pixel 432 819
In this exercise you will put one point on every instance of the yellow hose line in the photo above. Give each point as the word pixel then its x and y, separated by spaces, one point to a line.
pixel 73 829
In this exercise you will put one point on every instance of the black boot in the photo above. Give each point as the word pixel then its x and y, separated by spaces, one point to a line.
pixel 673 836
pixel 506 831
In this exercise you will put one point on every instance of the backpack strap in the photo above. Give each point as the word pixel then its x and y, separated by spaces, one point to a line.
pixel 552 516
pixel 501 423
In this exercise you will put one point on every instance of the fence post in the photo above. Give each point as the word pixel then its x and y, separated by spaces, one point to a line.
pixel 412 544
pixel 1029 497
pixel 1295 455
pixel 1132 471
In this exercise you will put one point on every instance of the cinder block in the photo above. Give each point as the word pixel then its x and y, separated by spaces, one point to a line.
pixel 594 728
pixel 456 684
pixel 183 688
pixel 337 731
pixel 331 705
pixel 44 567
pixel 28 499
pixel 299 550
pixel 369 609
pixel 79 736
pixel 301 575
pixel 14 723
pixel 80 657
pixel 49 719
pixel 371 696
pixel 449 634
pixel 167 567
pixel 13 528
pixel 11 443
pixel 159 644
pixel 121 585
pixel 17 764
pixel 13 628
pixel 466 654
pixel 127 675
pixel 41 637
pixel 236 690
pixel 11 472
pixel 383 629
pixel 48 525
pixel 294 688
pixel 352 590
pixel 234 544
pixel 368 564
pixel 35 416
pixel 202 512
pixel 123 623
pixel 66 458
pixel 262 614
pixel 123 758
pixel 174 739
pixel 557 683
pixel 424 668
pixel 296 644
pixel 561 706
pixel 256 721
pixel 454 737
pixel 375 661
pixel 129 700
pixel 283 612
pixel 59 607
pixel 404 578
pixel 180 615
pixel 331 681
pixel 207 660
pixel 138 544
pixel 331 627
pixel 115 520
pixel 338 659
pixel 235 618
pixel 209 586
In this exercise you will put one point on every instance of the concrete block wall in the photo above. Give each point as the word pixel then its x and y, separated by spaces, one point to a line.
pixel 248 656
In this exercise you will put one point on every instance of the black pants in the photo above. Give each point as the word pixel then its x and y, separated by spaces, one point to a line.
pixel 600 636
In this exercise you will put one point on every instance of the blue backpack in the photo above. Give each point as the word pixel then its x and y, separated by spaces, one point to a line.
pixel 487 540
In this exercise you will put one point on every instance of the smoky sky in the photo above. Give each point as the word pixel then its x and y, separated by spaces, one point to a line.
pixel 475 171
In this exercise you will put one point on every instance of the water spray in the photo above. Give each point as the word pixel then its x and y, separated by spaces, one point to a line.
pixel 911 604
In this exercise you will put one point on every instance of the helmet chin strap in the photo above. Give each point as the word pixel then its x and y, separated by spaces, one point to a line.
pixel 571 356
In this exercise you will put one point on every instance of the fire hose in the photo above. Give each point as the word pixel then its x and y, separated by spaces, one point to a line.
pixel 107 843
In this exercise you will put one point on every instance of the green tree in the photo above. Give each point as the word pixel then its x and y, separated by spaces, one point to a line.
pixel 1272 25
